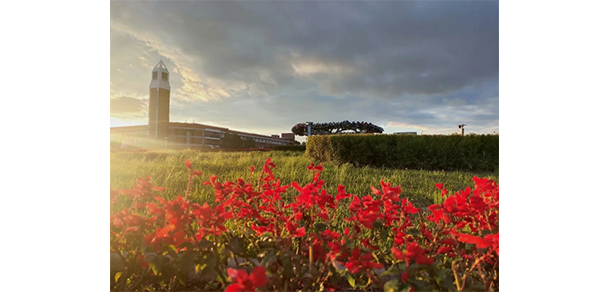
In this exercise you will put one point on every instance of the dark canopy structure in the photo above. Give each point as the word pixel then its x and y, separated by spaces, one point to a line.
pixel 300 129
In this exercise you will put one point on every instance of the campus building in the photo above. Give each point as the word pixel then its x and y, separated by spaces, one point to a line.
pixel 161 133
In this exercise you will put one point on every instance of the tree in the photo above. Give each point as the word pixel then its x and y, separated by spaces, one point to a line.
pixel 248 142
pixel 336 128
pixel 231 141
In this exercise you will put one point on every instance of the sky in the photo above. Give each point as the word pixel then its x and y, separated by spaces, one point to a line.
pixel 264 66
pixel 553 66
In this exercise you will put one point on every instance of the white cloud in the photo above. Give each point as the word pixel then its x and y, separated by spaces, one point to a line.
pixel 306 68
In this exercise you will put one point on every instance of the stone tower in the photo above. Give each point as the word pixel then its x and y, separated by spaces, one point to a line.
pixel 158 108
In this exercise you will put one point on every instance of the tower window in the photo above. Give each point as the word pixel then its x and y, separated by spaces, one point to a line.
pixel 154 75
pixel 164 76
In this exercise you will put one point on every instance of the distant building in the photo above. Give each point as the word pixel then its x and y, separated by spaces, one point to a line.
pixel 405 133
pixel 161 133
pixel 288 136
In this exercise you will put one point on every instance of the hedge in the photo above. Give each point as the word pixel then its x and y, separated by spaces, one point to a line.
pixel 290 148
pixel 428 152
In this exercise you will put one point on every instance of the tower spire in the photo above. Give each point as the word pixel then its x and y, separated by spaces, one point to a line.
pixel 160 65
pixel 158 105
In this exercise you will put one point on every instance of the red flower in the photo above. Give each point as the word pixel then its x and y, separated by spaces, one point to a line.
pixel 445 249
pixel 358 262
pixel 341 193
pixel 439 186
pixel 294 231
pixel 188 164
pixel 398 254
pixel 490 240
pixel 408 207
pixel 448 241
pixel 259 229
pixel 323 215
pixel 244 282
pixel 415 252
pixel 367 243
pixel 375 191
pixel 298 216
pixel 318 167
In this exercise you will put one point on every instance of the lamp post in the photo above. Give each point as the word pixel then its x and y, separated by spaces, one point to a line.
pixel 309 128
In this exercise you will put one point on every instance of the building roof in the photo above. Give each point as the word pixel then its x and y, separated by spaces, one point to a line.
pixel 190 125
pixel 129 128
pixel 160 67
pixel 194 125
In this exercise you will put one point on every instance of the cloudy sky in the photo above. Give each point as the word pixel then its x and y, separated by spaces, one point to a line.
pixel 263 66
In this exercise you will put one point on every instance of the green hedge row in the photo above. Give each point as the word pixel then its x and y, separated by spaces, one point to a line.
pixel 290 148
pixel 429 152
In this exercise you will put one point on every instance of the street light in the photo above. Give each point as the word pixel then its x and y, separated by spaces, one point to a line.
pixel 309 128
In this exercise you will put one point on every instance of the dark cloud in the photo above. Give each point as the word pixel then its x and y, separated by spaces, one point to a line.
pixel 391 45
pixel 387 61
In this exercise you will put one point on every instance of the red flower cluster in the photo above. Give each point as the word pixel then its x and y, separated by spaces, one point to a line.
pixel 244 282
pixel 358 262
pixel 304 226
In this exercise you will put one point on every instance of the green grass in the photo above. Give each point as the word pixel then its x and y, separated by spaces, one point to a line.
pixel 166 169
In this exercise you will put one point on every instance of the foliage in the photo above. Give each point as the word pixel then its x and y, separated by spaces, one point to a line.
pixel 234 141
pixel 430 152
pixel 248 142
pixel 288 243
pixel 336 128
pixel 163 168
pixel 290 148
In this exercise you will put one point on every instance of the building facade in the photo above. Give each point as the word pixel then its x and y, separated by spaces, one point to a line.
pixel 161 133
pixel 158 102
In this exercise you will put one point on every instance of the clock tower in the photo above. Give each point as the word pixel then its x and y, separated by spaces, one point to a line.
pixel 158 102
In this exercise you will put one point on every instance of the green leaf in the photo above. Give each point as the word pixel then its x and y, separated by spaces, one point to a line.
pixel 236 245
pixel 208 273
pixel 199 268
pixel 392 271
pixel 477 286
pixel 187 260
pixel 154 268
pixel 171 250
pixel 487 232
pixel 205 244
pixel 286 266
pixel 268 258
pixel 351 280
pixel 265 236
pixel 384 233
pixel 419 284
pixel 210 260
pixel 391 286
pixel 182 277
pixel 117 276
pixel 414 232
pixel 320 227
pixel 188 245
pixel 378 224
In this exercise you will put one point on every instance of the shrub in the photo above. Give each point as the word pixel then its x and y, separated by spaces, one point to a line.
pixel 254 236
pixel 438 152
pixel 290 148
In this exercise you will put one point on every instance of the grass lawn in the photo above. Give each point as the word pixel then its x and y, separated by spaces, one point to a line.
pixel 166 169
